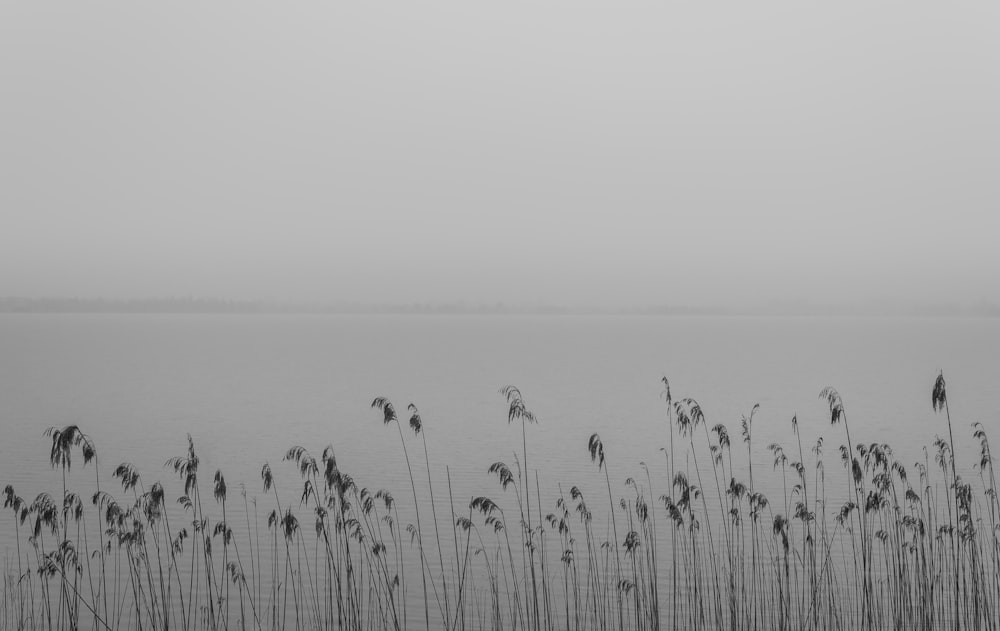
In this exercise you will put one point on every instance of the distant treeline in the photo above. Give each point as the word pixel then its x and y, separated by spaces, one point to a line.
pixel 215 305
pixel 208 305
pixel 88 305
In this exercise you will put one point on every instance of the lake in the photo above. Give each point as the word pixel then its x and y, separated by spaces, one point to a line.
pixel 248 387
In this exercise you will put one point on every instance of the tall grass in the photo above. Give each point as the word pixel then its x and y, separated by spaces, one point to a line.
pixel 896 547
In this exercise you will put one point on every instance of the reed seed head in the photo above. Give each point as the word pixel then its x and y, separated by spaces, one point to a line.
pixel 835 403
pixel 596 448
pixel 385 406
pixel 939 396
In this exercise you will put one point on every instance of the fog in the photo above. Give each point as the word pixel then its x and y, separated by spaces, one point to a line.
pixel 565 153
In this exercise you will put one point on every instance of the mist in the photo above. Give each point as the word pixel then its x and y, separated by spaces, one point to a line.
pixel 562 153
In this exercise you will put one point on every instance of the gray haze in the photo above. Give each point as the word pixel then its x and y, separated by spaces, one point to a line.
pixel 563 153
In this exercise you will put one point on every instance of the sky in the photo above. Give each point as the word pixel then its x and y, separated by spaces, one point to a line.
pixel 566 153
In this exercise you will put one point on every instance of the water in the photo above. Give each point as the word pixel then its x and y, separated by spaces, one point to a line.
pixel 248 387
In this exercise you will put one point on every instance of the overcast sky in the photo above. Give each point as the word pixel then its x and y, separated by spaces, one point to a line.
pixel 519 151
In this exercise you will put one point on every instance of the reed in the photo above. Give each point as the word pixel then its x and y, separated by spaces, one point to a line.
pixel 901 547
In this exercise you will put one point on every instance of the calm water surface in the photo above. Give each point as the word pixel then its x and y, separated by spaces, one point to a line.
pixel 248 387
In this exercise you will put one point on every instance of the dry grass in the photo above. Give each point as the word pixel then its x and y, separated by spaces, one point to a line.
pixel 903 548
